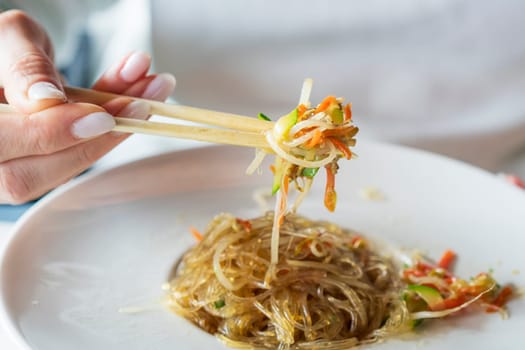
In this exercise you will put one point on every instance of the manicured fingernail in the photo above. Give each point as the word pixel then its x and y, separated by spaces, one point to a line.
pixel 44 90
pixel 136 65
pixel 93 124
pixel 136 109
pixel 160 87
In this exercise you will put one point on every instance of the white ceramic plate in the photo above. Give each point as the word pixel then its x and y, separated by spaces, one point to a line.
pixel 107 241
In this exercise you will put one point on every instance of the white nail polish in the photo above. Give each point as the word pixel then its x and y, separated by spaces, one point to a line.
pixel 160 87
pixel 93 124
pixel 136 65
pixel 44 90
pixel 136 109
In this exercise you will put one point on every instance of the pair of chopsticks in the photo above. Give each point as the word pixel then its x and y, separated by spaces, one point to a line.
pixel 228 128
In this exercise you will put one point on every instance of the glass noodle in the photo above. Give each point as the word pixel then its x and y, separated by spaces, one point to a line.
pixel 331 290
pixel 284 281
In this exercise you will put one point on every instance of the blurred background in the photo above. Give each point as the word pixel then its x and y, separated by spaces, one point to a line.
pixel 442 75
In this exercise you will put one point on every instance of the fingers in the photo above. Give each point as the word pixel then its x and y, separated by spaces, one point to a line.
pixel 129 77
pixel 27 72
pixel 23 179
pixel 61 141
pixel 127 107
pixel 51 130
pixel 123 74
pixel 154 87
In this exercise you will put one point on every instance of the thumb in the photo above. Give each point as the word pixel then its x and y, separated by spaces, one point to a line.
pixel 31 82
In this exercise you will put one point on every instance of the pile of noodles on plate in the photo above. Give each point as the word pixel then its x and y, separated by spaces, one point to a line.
pixel 284 281
pixel 330 288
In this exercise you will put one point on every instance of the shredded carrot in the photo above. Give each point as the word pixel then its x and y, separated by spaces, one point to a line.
pixel 357 242
pixel 316 139
pixel 413 272
pixel 348 112
pixel 301 109
pixel 286 182
pixel 281 219
pixel 198 236
pixel 330 196
pixel 272 168
pixel 355 239
pixel 451 303
pixel 501 299
pixel 423 267
pixel 341 147
pixel 325 104
pixel 492 308
pixel 447 259
pixel 503 296
pixel 284 197
pixel 330 177
pixel 457 292
pixel 246 224
pixel 304 131
pixel 513 179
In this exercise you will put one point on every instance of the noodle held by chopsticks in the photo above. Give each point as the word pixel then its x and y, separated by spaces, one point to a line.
pixel 305 140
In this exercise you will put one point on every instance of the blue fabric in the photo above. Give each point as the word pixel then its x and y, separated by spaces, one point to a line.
pixel 5 5
pixel 11 213
pixel 77 72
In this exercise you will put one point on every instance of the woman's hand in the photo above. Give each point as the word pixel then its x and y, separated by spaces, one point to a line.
pixel 51 140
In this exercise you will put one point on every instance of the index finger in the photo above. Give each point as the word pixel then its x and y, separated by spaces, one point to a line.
pixel 27 71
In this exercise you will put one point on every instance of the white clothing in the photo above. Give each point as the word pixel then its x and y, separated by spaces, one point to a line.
pixel 444 75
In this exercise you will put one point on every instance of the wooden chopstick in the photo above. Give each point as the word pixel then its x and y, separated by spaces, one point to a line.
pixel 214 135
pixel 197 115
pixel 197 133
pixel 241 130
